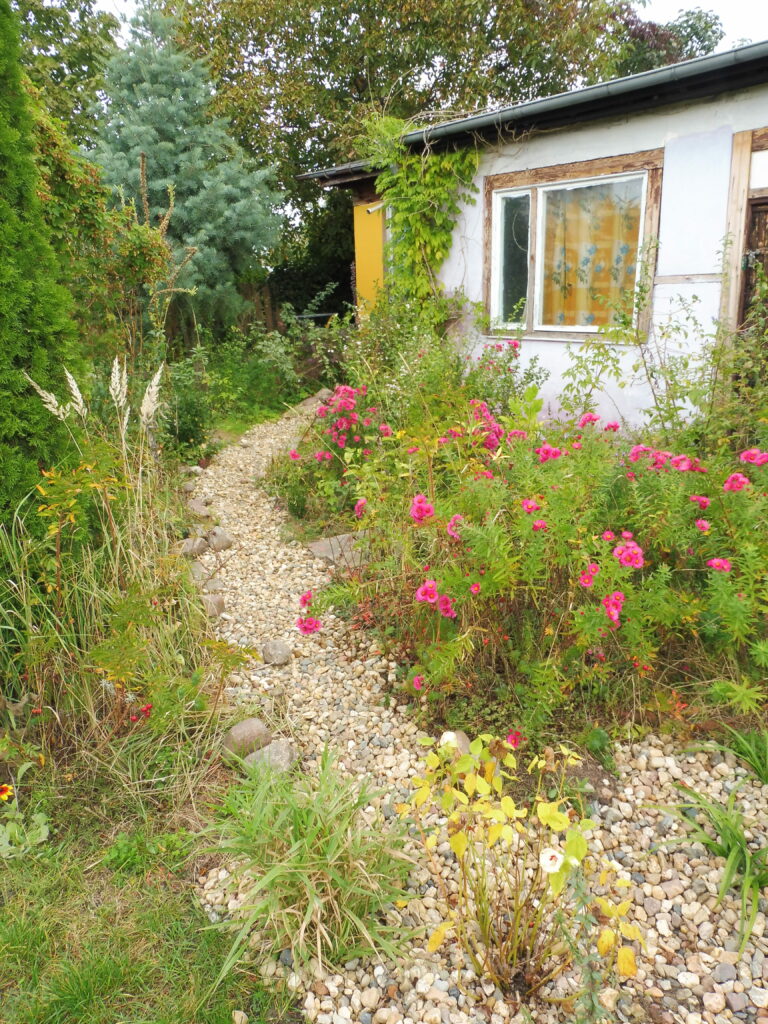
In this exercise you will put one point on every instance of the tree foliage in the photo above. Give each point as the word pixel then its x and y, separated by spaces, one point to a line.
pixel 35 329
pixel 648 44
pixel 65 46
pixel 158 103
pixel 298 76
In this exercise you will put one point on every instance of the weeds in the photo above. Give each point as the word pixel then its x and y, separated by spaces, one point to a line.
pixel 319 874
pixel 746 868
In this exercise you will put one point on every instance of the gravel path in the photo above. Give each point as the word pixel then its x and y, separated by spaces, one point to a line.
pixel 334 690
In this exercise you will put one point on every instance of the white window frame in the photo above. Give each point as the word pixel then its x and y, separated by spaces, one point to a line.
pixel 533 320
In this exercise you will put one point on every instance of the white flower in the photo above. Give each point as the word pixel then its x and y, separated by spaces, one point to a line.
pixel 551 861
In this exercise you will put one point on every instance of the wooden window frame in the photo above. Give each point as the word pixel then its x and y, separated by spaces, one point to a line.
pixel 648 161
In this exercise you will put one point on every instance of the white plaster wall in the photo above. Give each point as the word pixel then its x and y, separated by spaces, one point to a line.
pixel 697 142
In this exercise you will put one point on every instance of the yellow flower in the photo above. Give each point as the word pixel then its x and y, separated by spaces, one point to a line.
pixel 6 791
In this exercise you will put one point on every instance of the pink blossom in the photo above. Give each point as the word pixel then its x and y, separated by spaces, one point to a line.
pixel 517 434
pixel 529 505
pixel 322 411
pixel 360 507
pixel 320 456
pixel 627 535
pixel 720 564
pixel 752 455
pixel 413 450
pixel 514 739
pixel 418 682
pixel 450 527
pixel 593 568
pixel 613 425
pixel 586 579
pixel 445 606
pixel 308 625
pixel 609 535
pixel 385 430
pixel 547 452
pixel 702 501
pixel 613 605
pixel 421 509
pixel 513 343
pixel 629 555
pixel 539 524
pixel 427 592
pixel 736 482
pixel 703 525
pixel 474 588
pixel 576 445
pixel 293 454
pixel 306 599
pixel 681 462
pixel 588 417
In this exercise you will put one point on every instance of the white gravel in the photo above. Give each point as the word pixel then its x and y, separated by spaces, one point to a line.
pixel 336 690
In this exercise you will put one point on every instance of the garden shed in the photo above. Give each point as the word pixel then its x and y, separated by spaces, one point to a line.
pixel 660 177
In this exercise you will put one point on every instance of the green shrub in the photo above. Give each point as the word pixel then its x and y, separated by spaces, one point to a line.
pixel 36 333
pixel 319 875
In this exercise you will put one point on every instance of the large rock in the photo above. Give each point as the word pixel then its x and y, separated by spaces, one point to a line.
pixel 276 652
pixel 218 539
pixel 343 549
pixel 311 403
pixel 458 739
pixel 246 737
pixel 214 605
pixel 214 585
pixel 280 755
pixel 192 547
pixel 198 508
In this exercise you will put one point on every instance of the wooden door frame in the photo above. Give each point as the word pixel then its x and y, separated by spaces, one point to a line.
pixel 753 203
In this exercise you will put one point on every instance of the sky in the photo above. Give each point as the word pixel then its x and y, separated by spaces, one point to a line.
pixel 742 19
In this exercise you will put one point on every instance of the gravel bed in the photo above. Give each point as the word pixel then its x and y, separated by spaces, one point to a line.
pixel 335 690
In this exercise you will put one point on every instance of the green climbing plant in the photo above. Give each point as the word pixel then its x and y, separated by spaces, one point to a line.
pixel 423 192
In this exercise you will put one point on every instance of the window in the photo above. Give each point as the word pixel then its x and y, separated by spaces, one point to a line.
pixel 564 255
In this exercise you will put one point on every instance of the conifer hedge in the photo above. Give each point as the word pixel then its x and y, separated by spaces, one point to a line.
pixel 36 333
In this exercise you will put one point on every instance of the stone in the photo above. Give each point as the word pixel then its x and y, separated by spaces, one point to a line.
pixel 276 652
pixel 192 470
pixel 370 997
pixel 724 972
pixel 192 547
pixel 218 539
pixel 687 980
pixel 188 486
pixel 458 739
pixel 214 585
pixel 238 1017
pixel 214 605
pixel 713 1002
pixel 198 508
pixel 310 404
pixel 280 755
pixel 341 549
pixel 245 737
pixel 286 957
pixel 608 999
pixel 758 996
pixel 737 1001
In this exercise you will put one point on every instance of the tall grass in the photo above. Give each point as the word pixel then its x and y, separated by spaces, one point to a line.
pixel 104 648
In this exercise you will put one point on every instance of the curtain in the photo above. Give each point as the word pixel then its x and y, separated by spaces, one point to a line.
pixel 590 252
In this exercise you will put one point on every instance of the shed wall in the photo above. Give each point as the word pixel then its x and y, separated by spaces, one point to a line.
pixel 697 141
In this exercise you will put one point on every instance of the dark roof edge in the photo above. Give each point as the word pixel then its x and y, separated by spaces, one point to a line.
pixel 695 79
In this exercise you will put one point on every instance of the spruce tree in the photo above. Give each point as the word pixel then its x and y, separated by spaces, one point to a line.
pixel 36 333
pixel 158 103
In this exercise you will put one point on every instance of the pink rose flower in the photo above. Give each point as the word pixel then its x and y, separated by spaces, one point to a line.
pixel 418 682
pixel 529 505
pixel 539 524
pixel 308 625
pixel 703 525
pixel 719 564
pixel 427 592
pixel 293 454
pixel 360 507
pixel 736 482
pixel 702 501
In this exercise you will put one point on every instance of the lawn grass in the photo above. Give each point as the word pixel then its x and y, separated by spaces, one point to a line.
pixel 83 942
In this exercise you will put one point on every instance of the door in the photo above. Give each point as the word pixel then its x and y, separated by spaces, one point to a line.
pixel 756 251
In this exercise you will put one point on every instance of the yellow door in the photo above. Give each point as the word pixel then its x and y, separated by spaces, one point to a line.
pixel 369 221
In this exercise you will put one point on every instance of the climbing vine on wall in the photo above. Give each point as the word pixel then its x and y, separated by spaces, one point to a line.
pixel 423 192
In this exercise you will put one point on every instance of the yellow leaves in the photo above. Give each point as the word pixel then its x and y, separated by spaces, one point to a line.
pixel 458 843
pixel 625 962
pixel 551 816
pixel 430 842
pixel 606 941
pixel 482 786
pixel 470 784
pixel 508 807
pixel 437 938
pixel 631 932
pixel 495 833
pixel 420 796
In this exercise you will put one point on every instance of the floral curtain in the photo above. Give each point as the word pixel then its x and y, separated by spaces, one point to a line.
pixel 590 251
